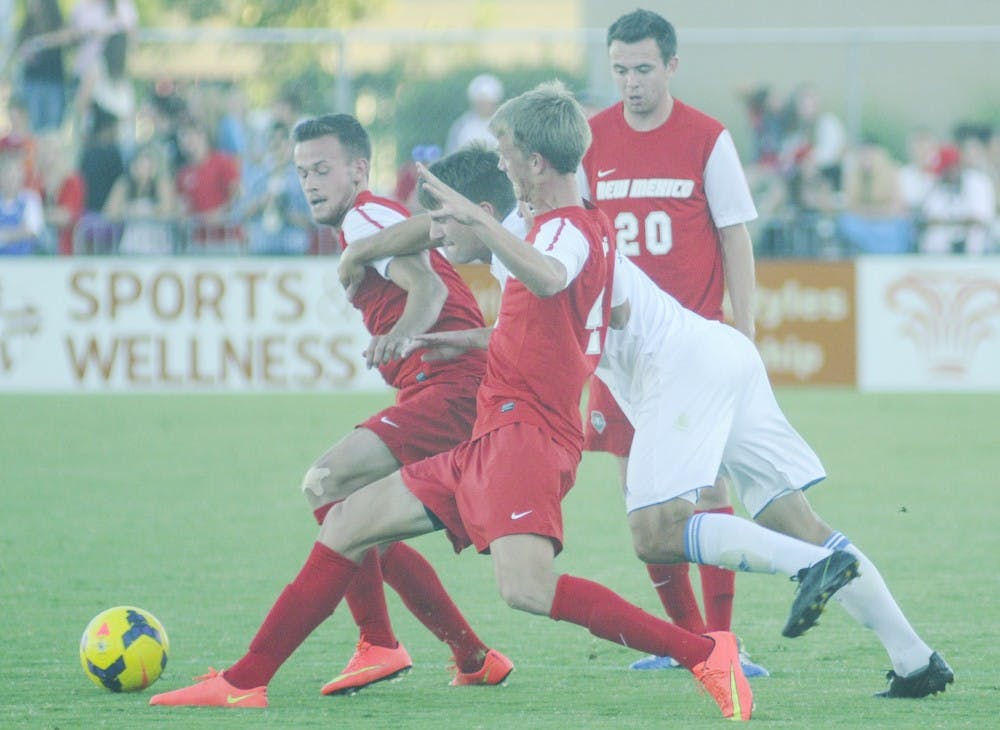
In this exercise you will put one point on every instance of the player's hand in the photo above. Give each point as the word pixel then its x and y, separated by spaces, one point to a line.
pixel 351 273
pixel 438 345
pixel 453 205
pixel 383 349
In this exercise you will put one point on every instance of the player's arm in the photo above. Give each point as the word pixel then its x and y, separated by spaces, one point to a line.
pixel 543 275
pixel 738 268
pixel 425 296
pixel 731 206
pixel 448 345
pixel 409 236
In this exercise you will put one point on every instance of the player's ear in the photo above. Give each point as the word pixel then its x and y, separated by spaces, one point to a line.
pixel 359 169
pixel 488 207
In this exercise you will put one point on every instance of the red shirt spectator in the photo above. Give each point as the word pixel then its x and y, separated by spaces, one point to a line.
pixel 208 186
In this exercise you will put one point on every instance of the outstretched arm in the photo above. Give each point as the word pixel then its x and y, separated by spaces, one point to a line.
pixel 448 345
pixel 543 275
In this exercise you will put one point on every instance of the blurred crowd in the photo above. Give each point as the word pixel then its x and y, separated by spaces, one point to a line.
pixel 90 166
pixel 820 195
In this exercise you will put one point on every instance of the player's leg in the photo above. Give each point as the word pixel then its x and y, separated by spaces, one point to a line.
pixel 771 463
pixel 668 466
pixel 718 585
pixel 916 669
pixel 361 457
pixel 515 506
pixel 379 513
pixel 523 565
pixel 421 591
pixel 607 429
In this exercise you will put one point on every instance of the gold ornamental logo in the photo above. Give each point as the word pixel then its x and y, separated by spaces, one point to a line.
pixel 947 316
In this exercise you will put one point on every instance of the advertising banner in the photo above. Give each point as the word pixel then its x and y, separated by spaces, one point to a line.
pixel 929 323
pixel 185 325
pixel 806 321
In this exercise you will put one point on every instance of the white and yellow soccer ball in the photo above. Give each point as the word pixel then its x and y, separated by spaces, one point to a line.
pixel 124 649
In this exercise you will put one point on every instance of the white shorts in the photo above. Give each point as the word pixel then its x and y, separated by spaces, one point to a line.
pixel 705 409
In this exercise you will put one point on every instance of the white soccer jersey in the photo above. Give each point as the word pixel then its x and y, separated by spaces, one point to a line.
pixel 698 396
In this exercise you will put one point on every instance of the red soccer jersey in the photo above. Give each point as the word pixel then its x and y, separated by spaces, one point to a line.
pixel 209 184
pixel 652 186
pixel 543 349
pixel 381 302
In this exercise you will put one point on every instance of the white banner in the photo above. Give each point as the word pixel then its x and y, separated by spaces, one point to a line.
pixel 178 325
pixel 928 323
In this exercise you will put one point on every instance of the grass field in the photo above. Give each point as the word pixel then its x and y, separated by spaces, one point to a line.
pixel 189 507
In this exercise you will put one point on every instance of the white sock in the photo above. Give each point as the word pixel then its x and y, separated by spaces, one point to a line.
pixel 868 600
pixel 739 544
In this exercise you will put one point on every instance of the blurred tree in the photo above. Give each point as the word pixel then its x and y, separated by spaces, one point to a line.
pixel 267 13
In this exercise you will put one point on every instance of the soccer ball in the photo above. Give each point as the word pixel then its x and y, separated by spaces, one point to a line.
pixel 124 649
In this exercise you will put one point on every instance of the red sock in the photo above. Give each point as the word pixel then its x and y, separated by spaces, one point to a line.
pixel 673 585
pixel 366 599
pixel 609 616
pixel 717 588
pixel 418 585
pixel 305 603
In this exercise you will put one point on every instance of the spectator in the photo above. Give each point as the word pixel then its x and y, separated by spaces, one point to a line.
pixel 767 124
pixel 92 22
pixel 811 204
pixel 814 134
pixel 21 137
pixel 22 220
pixel 405 192
pixel 873 219
pixel 142 201
pixel 959 212
pixel 167 112
pixel 763 172
pixel 208 188
pixel 43 82
pixel 101 161
pixel 100 165
pixel 108 87
pixel 62 191
pixel 277 213
pixel 485 93
pixel 231 131
pixel 916 177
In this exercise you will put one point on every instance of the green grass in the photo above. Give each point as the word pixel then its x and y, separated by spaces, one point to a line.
pixel 189 507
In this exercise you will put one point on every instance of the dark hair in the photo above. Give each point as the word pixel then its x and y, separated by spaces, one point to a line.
pixel 32 25
pixel 473 171
pixel 642 24
pixel 348 131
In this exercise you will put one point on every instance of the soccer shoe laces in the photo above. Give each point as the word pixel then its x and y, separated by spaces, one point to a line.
pixel 211 674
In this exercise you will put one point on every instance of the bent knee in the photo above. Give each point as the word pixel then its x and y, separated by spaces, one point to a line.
pixel 663 545
pixel 658 551
pixel 522 597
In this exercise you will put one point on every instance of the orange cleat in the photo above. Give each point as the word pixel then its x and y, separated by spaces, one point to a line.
pixel 722 675
pixel 370 664
pixel 496 668
pixel 212 690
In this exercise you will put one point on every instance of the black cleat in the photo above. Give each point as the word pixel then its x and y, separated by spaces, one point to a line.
pixel 930 680
pixel 817 584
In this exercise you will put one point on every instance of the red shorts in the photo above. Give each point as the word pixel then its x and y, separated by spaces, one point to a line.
pixel 607 428
pixel 507 482
pixel 427 419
